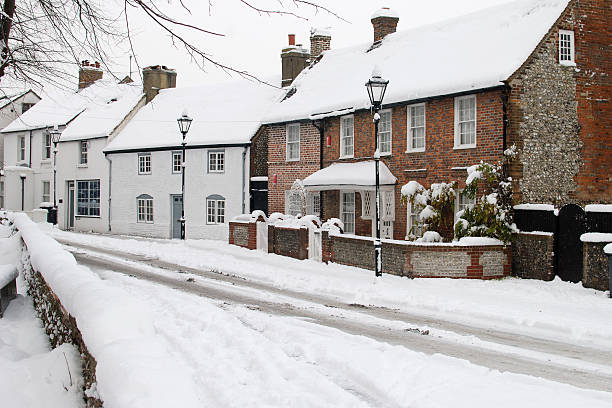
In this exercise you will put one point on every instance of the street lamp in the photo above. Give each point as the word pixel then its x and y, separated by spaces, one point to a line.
pixel 376 87
pixel 55 137
pixel 22 176
pixel 184 123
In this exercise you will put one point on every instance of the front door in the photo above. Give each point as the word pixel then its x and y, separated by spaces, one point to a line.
pixel 70 206
pixel 177 204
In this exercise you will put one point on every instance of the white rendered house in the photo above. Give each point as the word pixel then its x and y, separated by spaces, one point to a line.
pixel 11 107
pixel 82 169
pixel 145 158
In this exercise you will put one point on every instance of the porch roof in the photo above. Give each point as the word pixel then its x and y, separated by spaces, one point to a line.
pixel 359 176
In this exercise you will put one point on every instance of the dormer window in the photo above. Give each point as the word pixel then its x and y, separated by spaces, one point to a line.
pixel 566 47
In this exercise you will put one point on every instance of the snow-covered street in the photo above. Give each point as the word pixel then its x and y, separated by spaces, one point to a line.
pixel 262 330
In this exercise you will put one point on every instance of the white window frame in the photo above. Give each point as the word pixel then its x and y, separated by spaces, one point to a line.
pixel 409 223
pixel 174 163
pixel 144 165
pixel 46 146
pixel 458 144
pixel 21 148
pixel 46 197
pixel 409 126
pixel 83 153
pixel 215 211
pixel 144 209
pixel 345 212
pixel 459 206
pixel 219 165
pixel 572 60
pixel 292 154
pixel 380 132
pixel 91 202
pixel 313 203
pixel 344 139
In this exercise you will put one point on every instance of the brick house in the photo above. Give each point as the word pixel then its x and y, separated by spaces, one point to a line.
pixel 531 73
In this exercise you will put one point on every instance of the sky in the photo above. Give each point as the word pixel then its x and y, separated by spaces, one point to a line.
pixel 253 41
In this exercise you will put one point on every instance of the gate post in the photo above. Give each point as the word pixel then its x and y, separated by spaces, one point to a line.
pixel 610 275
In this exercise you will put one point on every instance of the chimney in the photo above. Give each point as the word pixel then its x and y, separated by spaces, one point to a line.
pixel 294 59
pixel 384 21
pixel 320 41
pixel 89 73
pixel 157 77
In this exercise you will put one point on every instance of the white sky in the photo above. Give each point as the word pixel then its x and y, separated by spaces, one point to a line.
pixel 253 42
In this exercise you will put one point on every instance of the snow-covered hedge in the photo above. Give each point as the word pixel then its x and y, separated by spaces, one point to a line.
pixel 133 367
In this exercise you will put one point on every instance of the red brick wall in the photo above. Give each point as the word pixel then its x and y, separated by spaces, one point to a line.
pixel 439 156
pixel 243 234
pixel 287 172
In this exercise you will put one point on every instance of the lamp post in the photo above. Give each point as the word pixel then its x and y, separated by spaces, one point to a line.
pixel 22 176
pixel 376 87
pixel 55 137
pixel 184 123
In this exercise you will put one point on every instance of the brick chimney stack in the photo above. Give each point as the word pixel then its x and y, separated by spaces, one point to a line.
pixel 157 77
pixel 294 59
pixel 384 21
pixel 89 73
pixel 320 41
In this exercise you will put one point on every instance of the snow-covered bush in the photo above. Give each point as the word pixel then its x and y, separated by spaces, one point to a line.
pixel 491 215
pixel 430 236
pixel 333 225
pixel 432 205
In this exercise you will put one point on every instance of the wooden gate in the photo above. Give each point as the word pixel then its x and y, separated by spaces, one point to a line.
pixel 571 225
pixel 262 236
pixel 315 245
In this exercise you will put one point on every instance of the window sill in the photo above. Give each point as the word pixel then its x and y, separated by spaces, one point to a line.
pixel 415 150
pixel 82 166
pixel 567 63
pixel 292 160
pixel 45 161
pixel 216 171
pixel 386 154
pixel 147 174
pixel 464 147
pixel 86 216
pixel 145 222
pixel 347 157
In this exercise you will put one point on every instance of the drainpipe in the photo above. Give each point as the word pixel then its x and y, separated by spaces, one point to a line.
pixel 30 165
pixel 505 96
pixel 110 174
pixel 244 151
pixel 320 126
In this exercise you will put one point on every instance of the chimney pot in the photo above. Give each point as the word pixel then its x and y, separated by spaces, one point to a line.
pixel 97 64
pixel 157 77
pixel 291 39
pixel 89 76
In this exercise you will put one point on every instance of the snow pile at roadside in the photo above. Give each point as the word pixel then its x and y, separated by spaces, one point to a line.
pixel 133 369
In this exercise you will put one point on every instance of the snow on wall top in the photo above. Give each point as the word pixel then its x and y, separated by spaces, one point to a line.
pixel 60 107
pixel 222 114
pixel 470 52
pixel 354 174
pixel 109 104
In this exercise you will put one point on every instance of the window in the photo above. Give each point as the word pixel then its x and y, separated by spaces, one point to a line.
pixel 88 198
pixel 145 208
pixel 215 209
pixel 46 153
pixel 384 132
pixel 144 163
pixel 1 194
pixel 176 162
pixel 46 191
pixel 414 227
pixel 293 142
pixel 83 152
pixel 21 148
pixel 348 212
pixel 25 107
pixel 346 136
pixel 462 202
pixel 566 47
pixel 465 121
pixel 416 128
pixel 216 161
pixel 313 204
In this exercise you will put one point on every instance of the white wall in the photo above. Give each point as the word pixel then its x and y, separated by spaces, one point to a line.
pixel 70 169
pixel 41 170
pixel 11 112
pixel 127 184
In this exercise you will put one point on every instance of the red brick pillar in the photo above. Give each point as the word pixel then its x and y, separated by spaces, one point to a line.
pixel 271 239
pixel 302 243
pixel 231 233
pixel 252 235
pixel 327 247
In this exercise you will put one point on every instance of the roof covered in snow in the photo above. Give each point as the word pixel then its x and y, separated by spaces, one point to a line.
pixel 61 107
pixel 227 113
pixel 361 174
pixel 109 104
pixel 6 99
pixel 471 52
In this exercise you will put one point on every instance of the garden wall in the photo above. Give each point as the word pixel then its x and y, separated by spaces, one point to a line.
pixel 286 241
pixel 595 262
pixel 533 255
pixel 243 234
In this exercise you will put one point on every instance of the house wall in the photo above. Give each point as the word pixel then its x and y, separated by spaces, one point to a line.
pixel 440 162
pixel 70 169
pixel 560 117
pixel 287 172
pixel 127 184
pixel 11 112
pixel 41 170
